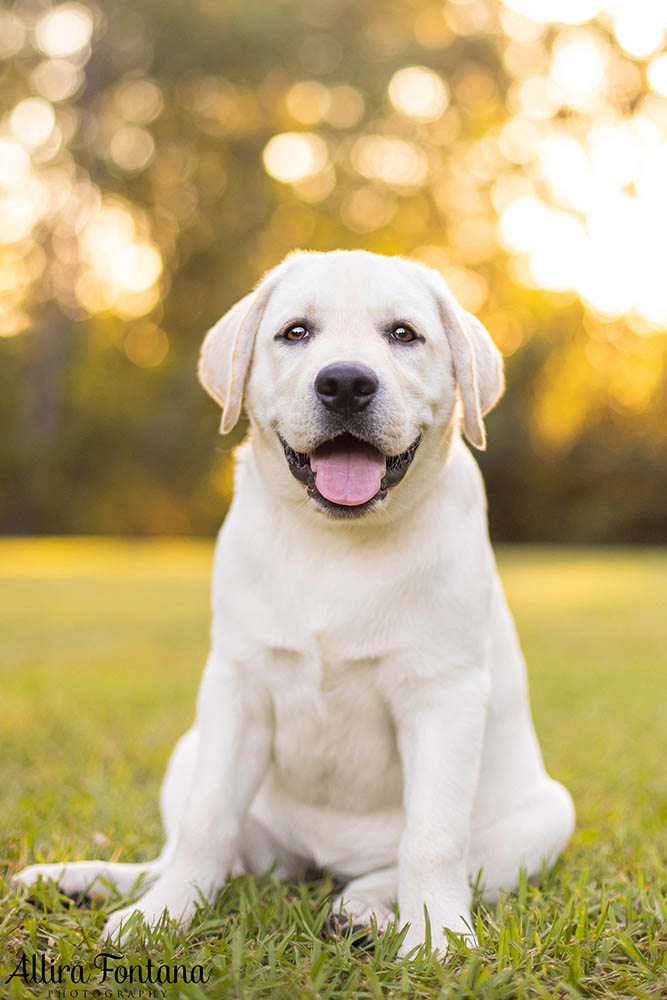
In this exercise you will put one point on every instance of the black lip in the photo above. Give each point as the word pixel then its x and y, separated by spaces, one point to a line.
pixel 299 465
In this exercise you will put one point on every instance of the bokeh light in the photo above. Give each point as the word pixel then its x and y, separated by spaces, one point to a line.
pixel 394 161
pixel 419 93
pixel 308 101
pixel 12 34
pixel 564 11
pixel 579 66
pixel 640 27
pixel 138 101
pixel 146 345
pixel 346 107
pixel 657 75
pixel 57 79
pixel 590 217
pixel 119 264
pixel 14 162
pixel 64 30
pixel 32 121
pixel 518 146
pixel 131 148
pixel 295 156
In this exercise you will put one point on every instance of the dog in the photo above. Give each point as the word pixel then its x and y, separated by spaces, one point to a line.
pixel 364 707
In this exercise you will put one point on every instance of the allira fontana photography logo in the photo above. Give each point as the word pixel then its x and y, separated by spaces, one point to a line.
pixel 107 969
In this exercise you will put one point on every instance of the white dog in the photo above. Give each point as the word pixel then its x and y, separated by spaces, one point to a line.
pixel 364 707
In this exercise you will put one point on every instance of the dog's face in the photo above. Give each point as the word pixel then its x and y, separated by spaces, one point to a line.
pixel 351 363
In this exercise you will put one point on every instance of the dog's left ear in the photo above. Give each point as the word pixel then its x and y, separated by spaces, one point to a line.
pixel 226 353
pixel 478 364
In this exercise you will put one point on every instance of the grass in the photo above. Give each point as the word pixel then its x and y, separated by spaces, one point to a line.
pixel 103 643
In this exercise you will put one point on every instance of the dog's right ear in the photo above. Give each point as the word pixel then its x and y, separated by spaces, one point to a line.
pixel 226 353
pixel 220 366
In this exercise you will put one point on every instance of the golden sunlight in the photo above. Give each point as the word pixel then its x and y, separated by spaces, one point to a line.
pixel 419 93
pixel 64 31
pixel 293 156
pixel 394 161
pixel 591 212
pixel 32 121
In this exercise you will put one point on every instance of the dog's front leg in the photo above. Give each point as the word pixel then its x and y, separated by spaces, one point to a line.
pixel 440 725
pixel 234 724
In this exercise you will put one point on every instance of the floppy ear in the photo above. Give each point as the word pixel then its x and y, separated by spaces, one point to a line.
pixel 226 353
pixel 478 365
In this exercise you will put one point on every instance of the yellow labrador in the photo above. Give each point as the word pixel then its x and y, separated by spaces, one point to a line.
pixel 364 707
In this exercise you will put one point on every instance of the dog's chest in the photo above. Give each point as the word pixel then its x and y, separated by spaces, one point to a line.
pixel 334 740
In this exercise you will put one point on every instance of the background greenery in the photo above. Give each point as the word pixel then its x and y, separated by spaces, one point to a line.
pixel 104 646
pixel 142 192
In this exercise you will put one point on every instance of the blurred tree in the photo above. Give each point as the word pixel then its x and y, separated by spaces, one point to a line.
pixel 156 158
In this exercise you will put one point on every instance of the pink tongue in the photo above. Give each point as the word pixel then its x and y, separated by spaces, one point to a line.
pixel 348 474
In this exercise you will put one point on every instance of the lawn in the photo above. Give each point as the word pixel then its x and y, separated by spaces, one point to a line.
pixel 102 645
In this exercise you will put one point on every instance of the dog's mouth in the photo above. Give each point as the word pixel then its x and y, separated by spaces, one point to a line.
pixel 348 476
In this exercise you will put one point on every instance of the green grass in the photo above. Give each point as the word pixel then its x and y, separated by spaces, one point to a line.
pixel 103 643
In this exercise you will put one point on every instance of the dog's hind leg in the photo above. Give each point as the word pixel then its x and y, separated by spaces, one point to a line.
pixel 177 784
pixel 101 878
pixel 259 851
pixel 532 835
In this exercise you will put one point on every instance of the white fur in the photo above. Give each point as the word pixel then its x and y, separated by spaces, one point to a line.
pixel 364 707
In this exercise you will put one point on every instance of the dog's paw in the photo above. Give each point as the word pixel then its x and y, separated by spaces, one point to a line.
pixel 175 901
pixel 340 925
pixel 68 883
pixel 123 923
pixel 80 880
pixel 359 916
pixel 56 874
pixel 31 875
pixel 439 942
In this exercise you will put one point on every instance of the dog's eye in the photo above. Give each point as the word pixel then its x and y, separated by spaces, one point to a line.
pixel 296 332
pixel 404 334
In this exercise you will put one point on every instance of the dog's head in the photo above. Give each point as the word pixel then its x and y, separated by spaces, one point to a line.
pixel 352 365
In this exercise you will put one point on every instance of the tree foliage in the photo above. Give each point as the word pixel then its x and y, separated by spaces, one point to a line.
pixel 156 158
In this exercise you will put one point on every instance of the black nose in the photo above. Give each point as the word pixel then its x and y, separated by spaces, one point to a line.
pixel 346 387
